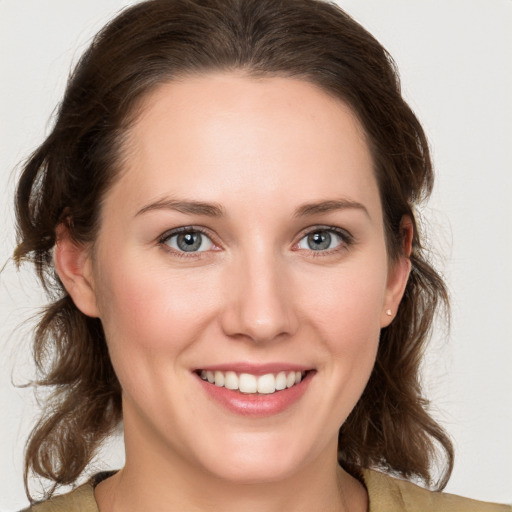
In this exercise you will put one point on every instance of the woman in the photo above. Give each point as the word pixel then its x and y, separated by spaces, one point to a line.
pixel 227 200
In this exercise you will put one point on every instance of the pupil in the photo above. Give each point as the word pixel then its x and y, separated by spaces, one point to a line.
pixel 189 241
pixel 319 240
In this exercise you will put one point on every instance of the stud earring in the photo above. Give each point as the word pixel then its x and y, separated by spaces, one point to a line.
pixel 389 312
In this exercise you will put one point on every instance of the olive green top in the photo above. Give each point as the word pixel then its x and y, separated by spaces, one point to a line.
pixel 386 494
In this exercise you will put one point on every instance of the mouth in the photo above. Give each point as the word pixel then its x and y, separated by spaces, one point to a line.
pixel 249 383
pixel 255 391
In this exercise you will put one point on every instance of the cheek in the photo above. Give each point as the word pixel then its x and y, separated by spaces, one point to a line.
pixel 151 312
pixel 350 303
pixel 347 318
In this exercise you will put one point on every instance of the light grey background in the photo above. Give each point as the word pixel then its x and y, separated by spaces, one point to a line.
pixel 455 58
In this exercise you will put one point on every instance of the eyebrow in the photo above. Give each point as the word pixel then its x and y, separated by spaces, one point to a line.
pixel 216 210
pixel 184 206
pixel 328 206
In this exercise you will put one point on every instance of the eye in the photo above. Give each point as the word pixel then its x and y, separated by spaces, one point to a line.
pixel 188 241
pixel 322 240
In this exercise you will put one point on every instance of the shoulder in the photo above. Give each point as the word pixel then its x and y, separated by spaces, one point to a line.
pixel 80 499
pixel 388 494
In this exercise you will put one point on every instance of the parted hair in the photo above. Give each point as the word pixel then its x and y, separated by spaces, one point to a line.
pixel 65 179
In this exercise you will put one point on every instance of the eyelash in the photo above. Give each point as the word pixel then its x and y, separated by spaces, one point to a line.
pixel 163 239
pixel 347 240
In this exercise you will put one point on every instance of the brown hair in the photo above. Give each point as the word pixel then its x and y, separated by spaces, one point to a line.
pixel 68 175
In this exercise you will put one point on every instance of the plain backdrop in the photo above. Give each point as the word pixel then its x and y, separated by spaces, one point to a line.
pixel 455 59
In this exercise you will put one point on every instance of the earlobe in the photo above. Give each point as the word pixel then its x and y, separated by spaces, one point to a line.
pixel 398 274
pixel 73 265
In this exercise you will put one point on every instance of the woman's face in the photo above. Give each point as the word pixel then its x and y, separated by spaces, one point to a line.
pixel 243 242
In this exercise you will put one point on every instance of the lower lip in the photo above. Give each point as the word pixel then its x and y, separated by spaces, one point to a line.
pixel 253 404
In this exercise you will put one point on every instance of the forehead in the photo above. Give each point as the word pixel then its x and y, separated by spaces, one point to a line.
pixel 217 136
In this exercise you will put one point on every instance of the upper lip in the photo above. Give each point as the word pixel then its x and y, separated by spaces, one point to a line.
pixel 256 368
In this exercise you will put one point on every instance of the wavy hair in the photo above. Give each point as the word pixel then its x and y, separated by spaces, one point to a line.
pixel 66 178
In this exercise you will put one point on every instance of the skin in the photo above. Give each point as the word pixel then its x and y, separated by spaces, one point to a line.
pixel 259 149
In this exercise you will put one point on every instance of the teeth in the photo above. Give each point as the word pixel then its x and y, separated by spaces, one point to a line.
pixel 219 379
pixel 280 381
pixel 231 380
pixel 248 383
pixel 266 384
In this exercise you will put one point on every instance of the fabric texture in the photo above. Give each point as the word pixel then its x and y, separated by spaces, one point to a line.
pixel 386 494
pixel 389 494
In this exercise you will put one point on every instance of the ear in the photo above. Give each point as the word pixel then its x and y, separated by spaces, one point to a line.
pixel 73 265
pixel 398 274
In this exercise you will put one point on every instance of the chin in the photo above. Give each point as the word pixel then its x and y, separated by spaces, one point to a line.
pixel 251 472
pixel 253 461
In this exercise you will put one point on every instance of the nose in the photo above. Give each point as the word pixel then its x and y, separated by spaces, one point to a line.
pixel 259 301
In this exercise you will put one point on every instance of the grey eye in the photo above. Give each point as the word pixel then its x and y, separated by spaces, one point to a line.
pixel 320 240
pixel 190 241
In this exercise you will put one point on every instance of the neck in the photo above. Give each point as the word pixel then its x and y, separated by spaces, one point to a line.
pixel 157 478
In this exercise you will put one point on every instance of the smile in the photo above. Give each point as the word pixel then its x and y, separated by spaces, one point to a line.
pixel 248 383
